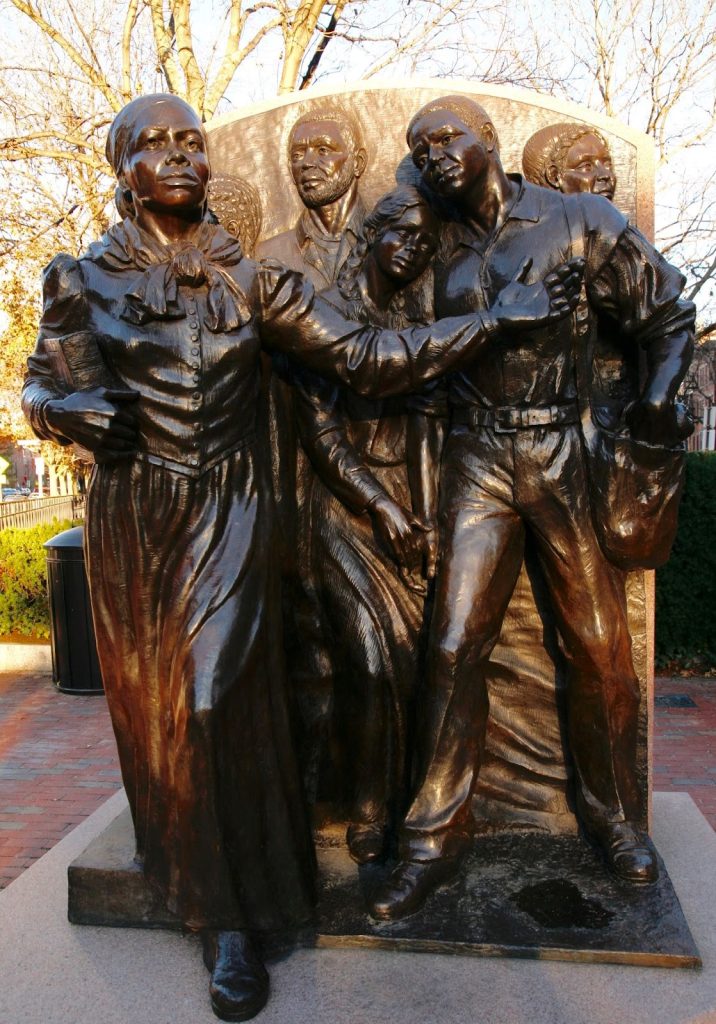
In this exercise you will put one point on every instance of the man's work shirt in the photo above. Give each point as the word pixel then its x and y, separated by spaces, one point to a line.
pixel 306 247
pixel 628 282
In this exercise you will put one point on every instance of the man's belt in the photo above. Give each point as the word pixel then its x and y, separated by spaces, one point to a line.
pixel 507 419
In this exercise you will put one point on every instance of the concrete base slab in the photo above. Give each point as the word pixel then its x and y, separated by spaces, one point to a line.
pixel 520 894
pixel 21 657
pixel 57 973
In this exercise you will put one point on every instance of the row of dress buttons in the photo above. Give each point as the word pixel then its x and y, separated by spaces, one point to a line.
pixel 196 366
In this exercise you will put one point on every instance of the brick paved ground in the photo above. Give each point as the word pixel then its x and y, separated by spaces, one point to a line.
pixel 685 742
pixel 58 761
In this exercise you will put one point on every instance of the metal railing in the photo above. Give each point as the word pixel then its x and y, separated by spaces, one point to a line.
pixel 41 510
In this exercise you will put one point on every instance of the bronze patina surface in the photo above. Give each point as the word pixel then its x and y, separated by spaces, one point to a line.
pixel 149 357
pixel 521 895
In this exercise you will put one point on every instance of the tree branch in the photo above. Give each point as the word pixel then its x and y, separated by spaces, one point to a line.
pixel 193 77
pixel 298 38
pixel 327 34
pixel 163 41
pixel 127 30
pixel 92 74
pixel 412 41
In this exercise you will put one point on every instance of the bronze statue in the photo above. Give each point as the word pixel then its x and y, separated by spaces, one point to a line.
pixel 327 157
pixel 514 463
pixel 236 205
pixel 149 356
pixel 376 465
pixel 570 158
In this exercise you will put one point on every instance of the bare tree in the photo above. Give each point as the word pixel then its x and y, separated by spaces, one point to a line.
pixel 652 64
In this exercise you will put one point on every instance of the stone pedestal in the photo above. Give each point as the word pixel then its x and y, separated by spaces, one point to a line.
pixel 522 894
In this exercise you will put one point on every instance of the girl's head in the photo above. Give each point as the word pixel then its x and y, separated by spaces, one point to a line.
pixel 400 235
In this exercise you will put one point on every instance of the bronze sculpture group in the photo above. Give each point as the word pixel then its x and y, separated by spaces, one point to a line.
pixel 149 355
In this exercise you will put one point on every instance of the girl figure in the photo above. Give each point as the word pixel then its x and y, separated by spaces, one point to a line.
pixel 377 465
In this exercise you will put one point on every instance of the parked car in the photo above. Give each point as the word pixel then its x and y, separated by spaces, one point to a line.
pixel 11 494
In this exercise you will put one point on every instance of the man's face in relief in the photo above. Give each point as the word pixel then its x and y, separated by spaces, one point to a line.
pixel 448 153
pixel 324 163
pixel 588 168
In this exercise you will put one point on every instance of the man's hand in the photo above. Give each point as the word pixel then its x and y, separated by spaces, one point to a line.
pixel 659 421
pixel 100 420
pixel 524 307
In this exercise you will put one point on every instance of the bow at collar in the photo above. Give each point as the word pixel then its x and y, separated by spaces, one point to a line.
pixel 205 261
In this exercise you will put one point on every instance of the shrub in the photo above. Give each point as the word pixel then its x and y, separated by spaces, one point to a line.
pixel 24 609
pixel 686 585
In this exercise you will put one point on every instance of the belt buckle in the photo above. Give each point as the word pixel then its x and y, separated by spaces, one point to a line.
pixel 501 427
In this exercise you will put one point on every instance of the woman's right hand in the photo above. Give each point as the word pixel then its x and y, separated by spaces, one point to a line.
pixel 399 530
pixel 100 420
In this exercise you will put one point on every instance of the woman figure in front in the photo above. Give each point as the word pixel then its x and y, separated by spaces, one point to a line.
pixel 148 356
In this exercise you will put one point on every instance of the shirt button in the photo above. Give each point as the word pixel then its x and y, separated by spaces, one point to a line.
pixel 194 366
pixel 193 324
pixel 195 351
pixel 193 462
pixel 196 396
pixel 194 337
pixel 196 378
pixel 197 426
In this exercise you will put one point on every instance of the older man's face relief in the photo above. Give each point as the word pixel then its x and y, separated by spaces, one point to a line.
pixel 323 163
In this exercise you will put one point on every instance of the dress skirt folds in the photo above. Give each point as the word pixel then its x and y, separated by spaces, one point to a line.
pixel 377 621
pixel 182 592
pixel 180 552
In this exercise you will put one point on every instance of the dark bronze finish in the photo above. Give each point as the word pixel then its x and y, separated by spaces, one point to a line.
pixel 179 533
pixel 326 157
pixel 521 895
pixel 504 477
pixel 371 507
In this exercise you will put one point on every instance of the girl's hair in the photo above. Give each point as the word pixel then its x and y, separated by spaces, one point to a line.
pixel 410 303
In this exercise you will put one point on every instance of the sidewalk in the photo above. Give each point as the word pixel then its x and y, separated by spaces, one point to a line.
pixel 58 761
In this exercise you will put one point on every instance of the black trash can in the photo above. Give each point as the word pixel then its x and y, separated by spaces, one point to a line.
pixel 75 668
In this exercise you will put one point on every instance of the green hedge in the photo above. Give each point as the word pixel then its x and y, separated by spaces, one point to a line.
pixel 24 609
pixel 686 585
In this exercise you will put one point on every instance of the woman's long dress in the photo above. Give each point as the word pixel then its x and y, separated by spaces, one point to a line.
pixel 179 545
pixel 360 451
pixel 179 559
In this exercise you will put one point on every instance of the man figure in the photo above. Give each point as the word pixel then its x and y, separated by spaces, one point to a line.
pixel 514 463
pixel 327 158
pixel 570 158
